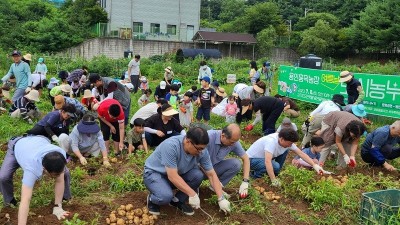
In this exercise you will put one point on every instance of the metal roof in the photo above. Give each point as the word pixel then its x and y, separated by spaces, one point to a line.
pixel 208 36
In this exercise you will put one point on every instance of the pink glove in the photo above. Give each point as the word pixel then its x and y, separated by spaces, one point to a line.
pixel 249 127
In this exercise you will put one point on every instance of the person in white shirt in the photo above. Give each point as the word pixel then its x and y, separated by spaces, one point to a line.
pixel 268 154
pixel 204 71
pixel 147 110
pixel 38 81
pixel 313 122
pixel 134 72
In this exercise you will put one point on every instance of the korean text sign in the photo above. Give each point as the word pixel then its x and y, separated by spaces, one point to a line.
pixel 382 92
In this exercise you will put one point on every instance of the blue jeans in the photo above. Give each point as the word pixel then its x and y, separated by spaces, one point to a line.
pixel 154 140
pixel 162 190
pixel 126 112
pixel 257 165
pixel 226 170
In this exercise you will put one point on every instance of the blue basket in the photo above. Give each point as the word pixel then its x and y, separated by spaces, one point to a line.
pixel 380 207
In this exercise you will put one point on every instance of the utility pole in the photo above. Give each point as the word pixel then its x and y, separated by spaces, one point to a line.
pixel 290 29
pixel 306 10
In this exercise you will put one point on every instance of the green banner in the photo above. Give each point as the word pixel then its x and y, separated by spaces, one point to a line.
pixel 382 92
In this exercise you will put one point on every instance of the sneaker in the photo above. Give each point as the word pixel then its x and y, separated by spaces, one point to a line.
pixel 186 209
pixel 153 208
pixel 12 204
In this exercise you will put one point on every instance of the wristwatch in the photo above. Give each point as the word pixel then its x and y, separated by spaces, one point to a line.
pixel 58 205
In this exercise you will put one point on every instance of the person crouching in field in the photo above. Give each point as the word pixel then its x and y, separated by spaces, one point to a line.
pixel 313 150
pixel 136 137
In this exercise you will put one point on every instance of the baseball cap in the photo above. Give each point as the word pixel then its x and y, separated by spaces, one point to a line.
pixel 206 79
pixel 16 52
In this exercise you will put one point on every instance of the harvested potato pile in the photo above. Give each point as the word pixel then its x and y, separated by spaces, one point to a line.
pixel 269 195
pixel 339 181
pixel 113 160
pixel 127 214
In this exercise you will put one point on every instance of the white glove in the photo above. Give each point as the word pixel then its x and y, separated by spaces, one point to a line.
pixel 28 89
pixel 30 121
pixel 59 212
pixel 83 160
pixel 318 168
pixel 224 205
pixel 346 159
pixel 243 189
pixel 194 201
pixel 54 138
pixel 276 183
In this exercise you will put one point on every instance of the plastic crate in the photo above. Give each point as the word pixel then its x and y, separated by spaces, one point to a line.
pixel 380 207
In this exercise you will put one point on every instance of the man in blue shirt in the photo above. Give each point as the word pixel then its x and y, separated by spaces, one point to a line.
pixel 221 143
pixel 174 165
pixel 22 73
pixel 36 156
pixel 378 147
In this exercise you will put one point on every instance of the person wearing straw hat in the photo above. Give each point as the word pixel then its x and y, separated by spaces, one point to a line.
pixel 220 94
pixel 168 75
pixel 22 73
pixel 41 68
pixel 54 123
pixel 162 125
pixel 88 100
pixel 174 164
pixel 267 108
pixel 27 58
pixel 64 90
pixel 85 140
pixel 355 92
pixel 380 146
pixel 25 107
pixel 343 129
pixel 251 93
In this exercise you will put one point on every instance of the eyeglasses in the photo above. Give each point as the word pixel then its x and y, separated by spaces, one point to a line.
pixel 198 149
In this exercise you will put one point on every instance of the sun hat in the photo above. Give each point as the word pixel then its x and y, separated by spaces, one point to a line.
pixel 40 60
pixel 54 80
pixel 59 101
pixel 88 125
pixel 163 84
pixel 28 57
pixel 359 110
pixel 339 99
pixel 87 94
pixel 258 89
pixel 221 92
pixel 16 52
pixel 143 79
pixel 345 76
pixel 66 88
pixel 206 79
pixel 33 95
pixel 168 69
pixel 167 110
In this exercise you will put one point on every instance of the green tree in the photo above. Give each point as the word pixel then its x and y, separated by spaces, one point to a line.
pixel 231 9
pixel 309 21
pixel 266 40
pixel 319 39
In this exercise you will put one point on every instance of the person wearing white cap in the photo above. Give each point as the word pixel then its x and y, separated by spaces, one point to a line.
pixel 162 126
pixel 25 107
pixel 85 140
pixel 22 73
pixel 354 89
pixel 168 75
pixel 161 90
pixel 41 68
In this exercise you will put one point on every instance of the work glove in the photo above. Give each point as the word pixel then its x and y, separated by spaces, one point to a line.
pixel 59 212
pixel 28 89
pixel 276 183
pixel 352 162
pixel 249 127
pixel 194 201
pixel 318 168
pixel 346 159
pixel 106 163
pixel 244 187
pixel 55 139
pixel 224 205
pixel 83 160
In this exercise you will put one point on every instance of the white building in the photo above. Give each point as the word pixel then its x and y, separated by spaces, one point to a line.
pixel 169 20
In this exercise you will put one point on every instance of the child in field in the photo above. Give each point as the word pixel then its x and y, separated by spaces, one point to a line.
pixel 205 100
pixel 317 143
pixel 172 97
pixel 143 84
pixel 144 99
pixel 193 90
pixel 231 110
pixel 186 110
pixel 136 138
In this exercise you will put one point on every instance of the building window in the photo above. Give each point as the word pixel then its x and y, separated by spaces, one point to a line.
pixel 103 3
pixel 137 27
pixel 171 29
pixel 154 28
